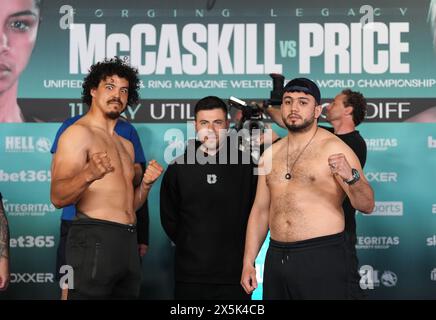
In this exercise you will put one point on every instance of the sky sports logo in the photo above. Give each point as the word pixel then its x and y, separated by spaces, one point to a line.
pixel 25 176
pixel 26 144
pixel 431 241
pixel 387 208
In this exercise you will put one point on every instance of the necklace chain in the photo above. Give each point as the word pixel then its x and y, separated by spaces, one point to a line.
pixel 288 174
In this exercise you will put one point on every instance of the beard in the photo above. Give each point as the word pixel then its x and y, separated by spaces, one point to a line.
pixel 113 115
pixel 304 127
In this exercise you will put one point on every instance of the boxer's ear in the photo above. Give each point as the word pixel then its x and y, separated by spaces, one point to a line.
pixel 318 110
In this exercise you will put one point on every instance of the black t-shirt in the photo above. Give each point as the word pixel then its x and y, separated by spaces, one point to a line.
pixel 355 141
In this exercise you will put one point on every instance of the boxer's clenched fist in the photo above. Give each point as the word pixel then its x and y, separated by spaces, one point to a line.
pixel 152 173
pixel 339 165
pixel 98 166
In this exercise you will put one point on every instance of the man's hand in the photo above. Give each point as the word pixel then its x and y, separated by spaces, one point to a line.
pixel 248 279
pixel 340 166
pixel 152 173
pixel 142 248
pixel 98 166
pixel 4 273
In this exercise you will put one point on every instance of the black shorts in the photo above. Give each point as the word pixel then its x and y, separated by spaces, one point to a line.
pixel 60 253
pixel 105 260
pixel 318 268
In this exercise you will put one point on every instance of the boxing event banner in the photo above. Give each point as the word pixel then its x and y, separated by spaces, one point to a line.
pixel 190 49
pixel 186 50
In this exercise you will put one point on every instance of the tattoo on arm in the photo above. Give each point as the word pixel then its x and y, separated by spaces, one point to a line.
pixel 4 233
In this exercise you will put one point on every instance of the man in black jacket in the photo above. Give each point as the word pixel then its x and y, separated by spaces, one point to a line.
pixel 205 201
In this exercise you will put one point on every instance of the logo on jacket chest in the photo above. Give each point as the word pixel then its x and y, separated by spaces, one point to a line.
pixel 212 178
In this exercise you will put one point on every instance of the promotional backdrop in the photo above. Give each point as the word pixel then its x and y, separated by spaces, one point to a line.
pixel 186 50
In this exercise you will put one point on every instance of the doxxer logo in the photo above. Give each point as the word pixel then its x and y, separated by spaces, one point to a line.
pixel 32 277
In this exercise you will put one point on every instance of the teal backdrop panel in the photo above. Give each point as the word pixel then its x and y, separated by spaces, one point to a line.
pixel 397 241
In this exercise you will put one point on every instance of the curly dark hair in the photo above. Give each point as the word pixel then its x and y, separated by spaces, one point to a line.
pixel 356 100
pixel 106 68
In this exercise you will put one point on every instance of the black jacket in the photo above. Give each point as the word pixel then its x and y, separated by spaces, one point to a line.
pixel 204 211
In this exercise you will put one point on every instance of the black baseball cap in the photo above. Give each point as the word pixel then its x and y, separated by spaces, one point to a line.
pixel 304 85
